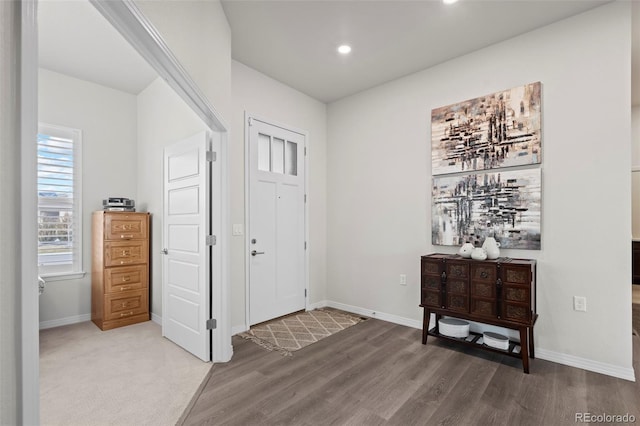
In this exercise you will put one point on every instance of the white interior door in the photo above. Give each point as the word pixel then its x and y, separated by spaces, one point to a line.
pixel 186 275
pixel 276 221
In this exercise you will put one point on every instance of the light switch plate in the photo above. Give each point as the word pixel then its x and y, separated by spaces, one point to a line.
pixel 237 229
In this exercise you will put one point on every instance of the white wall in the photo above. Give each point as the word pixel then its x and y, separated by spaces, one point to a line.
pixel 163 118
pixel 107 119
pixel 262 96
pixel 198 34
pixel 379 178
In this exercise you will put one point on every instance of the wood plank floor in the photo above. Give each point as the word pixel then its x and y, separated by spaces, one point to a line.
pixel 378 373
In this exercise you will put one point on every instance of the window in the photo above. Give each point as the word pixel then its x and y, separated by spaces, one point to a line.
pixel 59 202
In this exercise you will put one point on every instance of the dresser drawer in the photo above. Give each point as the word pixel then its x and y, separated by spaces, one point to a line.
pixel 126 304
pixel 483 307
pixel 457 270
pixel 125 226
pixel 118 253
pixel 483 289
pixel 483 273
pixel 125 278
pixel 516 312
pixel 516 275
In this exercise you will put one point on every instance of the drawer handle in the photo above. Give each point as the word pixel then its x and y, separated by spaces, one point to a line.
pixel 126 236
pixel 484 274
pixel 126 279
pixel 124 288
pixel 126 252
pixel 122 262
pixel 124 305
pixel 126 314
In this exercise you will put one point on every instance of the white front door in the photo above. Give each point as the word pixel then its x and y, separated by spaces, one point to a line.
pixel 186 275
pixel 276 221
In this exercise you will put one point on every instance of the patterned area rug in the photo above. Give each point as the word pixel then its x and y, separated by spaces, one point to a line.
pixel 293 332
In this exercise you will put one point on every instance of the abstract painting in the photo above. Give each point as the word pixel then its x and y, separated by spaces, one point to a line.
pixel 504 205
pixel 489 132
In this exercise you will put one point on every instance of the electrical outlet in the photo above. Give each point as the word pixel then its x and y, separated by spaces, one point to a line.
pixel 403 279
pixel 580 303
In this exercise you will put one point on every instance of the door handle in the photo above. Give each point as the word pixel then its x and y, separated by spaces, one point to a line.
pixel 255 253
pixel 164 251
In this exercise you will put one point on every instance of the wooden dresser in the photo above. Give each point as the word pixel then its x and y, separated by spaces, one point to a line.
pixel 120 269
pixel 499 292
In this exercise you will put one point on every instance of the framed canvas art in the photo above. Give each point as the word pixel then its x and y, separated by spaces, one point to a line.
pixel 501 204
pixel 499 130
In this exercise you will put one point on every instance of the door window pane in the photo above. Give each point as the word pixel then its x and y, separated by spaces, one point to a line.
pixel 292 158
pixel 277 157
pixel 264 152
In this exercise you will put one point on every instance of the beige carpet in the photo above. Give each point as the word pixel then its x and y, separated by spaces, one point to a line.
pixel 126 376
pixel 293 332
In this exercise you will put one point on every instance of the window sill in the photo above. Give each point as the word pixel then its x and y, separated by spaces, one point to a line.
pixel 63 277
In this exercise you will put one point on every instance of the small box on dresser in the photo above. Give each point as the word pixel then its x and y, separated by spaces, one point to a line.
pixel 120 269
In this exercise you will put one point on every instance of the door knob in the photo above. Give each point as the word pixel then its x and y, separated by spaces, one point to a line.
pixel 255 253
pixel 165 251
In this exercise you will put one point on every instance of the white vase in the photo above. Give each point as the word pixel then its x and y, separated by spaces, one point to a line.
pixel 492 247
pixel 465 250
pixel 479 254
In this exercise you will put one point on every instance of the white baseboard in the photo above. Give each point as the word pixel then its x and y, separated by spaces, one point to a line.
pixel 156 318
pixel 317 305
pixel 237 329
pixel 64 321
pixel 587 364
pixel 375 314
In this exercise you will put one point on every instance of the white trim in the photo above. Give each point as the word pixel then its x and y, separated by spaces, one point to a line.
pixel 237 329
pixel 247 204
pixel 63 277
pixel 156 318
pixel 317 305
pixel 395 319
pixel 635 169
pixel 64 321
pixel 125 17
pixel 587 364
pixel 29 381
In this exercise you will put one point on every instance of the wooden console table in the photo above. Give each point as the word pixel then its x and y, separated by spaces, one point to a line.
pixel 499 292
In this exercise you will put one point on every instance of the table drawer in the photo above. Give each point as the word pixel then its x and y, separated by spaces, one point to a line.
pixel 125 278
pixel 126 304
pixel 118 253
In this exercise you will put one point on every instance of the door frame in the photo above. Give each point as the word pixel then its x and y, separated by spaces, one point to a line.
pixel 247 204
pixel 142 35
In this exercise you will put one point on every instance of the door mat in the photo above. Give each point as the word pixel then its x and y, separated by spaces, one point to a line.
pixel 294 332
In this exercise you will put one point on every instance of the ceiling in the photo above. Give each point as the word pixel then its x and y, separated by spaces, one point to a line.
pixel 295 42
pixel 76 40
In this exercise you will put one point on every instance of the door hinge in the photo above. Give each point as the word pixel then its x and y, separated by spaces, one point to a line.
pixel 305 245
pixel 211 156
pixel 212 324
pixel 211 240
pixel 305 150
pixel 305 198
pixel 250 120
pixel 305 292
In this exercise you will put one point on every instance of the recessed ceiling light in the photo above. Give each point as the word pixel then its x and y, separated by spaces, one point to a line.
pixel 345 49
pixel 449 1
